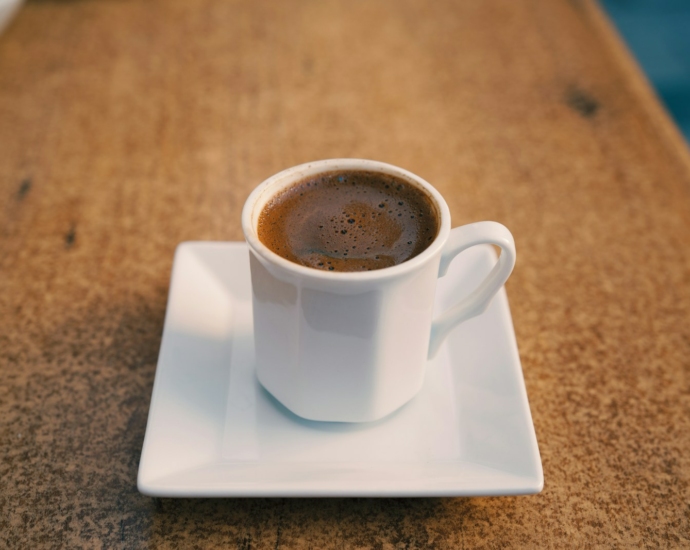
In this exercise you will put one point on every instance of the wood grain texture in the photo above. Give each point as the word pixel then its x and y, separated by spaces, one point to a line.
pixel 127 127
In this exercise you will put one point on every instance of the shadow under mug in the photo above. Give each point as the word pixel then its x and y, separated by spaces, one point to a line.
pixel 353 346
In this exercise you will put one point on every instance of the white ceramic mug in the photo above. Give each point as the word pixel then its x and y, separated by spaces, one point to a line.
pixel 353 346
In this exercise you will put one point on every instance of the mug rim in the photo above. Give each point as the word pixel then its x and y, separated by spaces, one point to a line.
pixel 276 183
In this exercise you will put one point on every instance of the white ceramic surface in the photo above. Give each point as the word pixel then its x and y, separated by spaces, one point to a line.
pixel 8 9
pixel 353 346
pixel 213 431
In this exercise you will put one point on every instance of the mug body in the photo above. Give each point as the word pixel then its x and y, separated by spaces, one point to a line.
pixel 341 346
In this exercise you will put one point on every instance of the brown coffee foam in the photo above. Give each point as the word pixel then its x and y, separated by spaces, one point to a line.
pixel 349 221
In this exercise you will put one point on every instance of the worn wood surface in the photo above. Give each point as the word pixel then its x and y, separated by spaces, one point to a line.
pixel 127 127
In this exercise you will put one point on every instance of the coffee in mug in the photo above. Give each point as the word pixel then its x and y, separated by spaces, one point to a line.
pixel 349 221
pixel 344 259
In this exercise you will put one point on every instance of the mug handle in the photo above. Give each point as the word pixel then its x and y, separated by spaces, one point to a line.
pixel 462 238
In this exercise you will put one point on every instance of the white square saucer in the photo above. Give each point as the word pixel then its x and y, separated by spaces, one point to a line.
pixel 213 431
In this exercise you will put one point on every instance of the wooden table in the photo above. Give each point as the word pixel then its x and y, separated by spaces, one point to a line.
pixel 127 127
